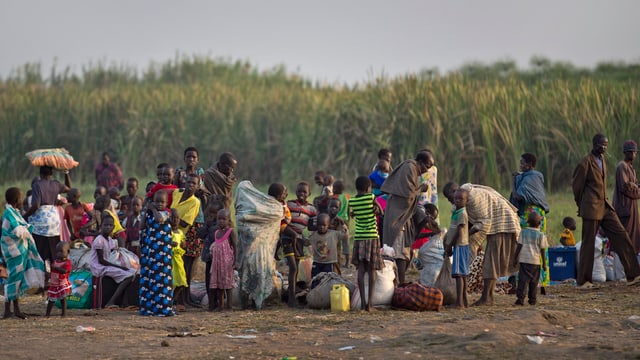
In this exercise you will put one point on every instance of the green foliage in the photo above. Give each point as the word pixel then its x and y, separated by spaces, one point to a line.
pixel 282 127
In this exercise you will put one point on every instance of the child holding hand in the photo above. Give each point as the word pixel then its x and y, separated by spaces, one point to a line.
pixel 59 285
pixel 223 253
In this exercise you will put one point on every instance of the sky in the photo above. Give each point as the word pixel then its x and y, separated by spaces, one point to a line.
pixel 334 41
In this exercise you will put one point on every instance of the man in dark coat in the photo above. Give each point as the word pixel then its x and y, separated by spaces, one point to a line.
pixel 589 191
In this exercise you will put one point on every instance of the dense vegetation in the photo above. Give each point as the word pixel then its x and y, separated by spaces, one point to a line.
pixel 284 127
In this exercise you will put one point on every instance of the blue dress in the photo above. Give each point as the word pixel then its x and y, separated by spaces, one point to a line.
pixel 156 290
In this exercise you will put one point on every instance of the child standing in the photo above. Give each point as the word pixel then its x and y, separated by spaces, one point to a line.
pixel 566 237
pixel 177 263
pixel 324 244
pixel 343 213
pixel 302 214
pixel 207 234
pixel 156 291
pixel 457 244
pixel 132 224
pixel 339 225
pixel 288 240
pixel 59 285
pixel 191 158
pixel 92 226
pixel 132 189
pixel 114 197
pixel 223 253
pixel 366 245
pixel 75 212
pixel 531 255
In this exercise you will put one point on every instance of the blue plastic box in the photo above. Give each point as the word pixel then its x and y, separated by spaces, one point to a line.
pixel 562 263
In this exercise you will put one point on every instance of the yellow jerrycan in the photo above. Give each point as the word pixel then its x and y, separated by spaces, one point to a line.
pixel 340 298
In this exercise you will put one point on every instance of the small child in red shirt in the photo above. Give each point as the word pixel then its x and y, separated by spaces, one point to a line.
pixel 59 285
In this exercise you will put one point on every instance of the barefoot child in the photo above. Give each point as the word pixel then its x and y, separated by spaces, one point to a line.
pixel 457 244
pixel 339 225
pixel 302 214
pixel 223 253
pixel 288 239
pixel 156 290
pixel 530 254
pixel 177 263
pixel 343 213
pixel 59 285
pixel 366 244
pixel 207 234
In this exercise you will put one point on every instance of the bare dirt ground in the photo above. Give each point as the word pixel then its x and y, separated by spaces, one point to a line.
pixel 599 323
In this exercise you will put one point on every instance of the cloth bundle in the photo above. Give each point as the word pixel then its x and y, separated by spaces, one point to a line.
pixel 58 158
pixel 417 297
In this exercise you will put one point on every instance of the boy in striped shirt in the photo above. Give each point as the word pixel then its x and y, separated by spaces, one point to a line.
pixel 366 245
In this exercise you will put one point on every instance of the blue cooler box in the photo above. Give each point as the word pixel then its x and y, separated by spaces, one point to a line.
pixel 562 263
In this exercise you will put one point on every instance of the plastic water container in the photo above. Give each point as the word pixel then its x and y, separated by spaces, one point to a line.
pixel 340 298
pixel 562 263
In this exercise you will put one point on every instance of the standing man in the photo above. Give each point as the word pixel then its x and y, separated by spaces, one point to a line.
pixel 108 174
pixel 627 193
pixel 218 180
pixel 589 191
pixel 403 187
pixel 491 216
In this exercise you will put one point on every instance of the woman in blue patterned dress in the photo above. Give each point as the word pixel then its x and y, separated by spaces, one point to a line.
pixel 156 290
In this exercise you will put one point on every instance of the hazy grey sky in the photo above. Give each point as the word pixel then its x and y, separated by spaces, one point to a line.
pixel 347 40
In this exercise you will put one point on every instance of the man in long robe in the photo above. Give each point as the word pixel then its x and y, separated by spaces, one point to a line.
pixel 403 187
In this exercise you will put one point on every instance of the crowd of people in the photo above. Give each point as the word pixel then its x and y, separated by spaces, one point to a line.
pixel 188 214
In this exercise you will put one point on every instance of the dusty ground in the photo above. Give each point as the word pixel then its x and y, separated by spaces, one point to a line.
pixel 600 323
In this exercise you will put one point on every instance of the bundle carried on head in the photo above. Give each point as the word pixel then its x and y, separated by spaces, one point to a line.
pixel 58 158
